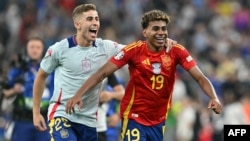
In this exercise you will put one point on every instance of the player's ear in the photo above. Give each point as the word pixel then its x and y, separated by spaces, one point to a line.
pixel 76 24
pixel 144 33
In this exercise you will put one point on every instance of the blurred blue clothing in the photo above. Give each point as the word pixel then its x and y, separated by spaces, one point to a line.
pixel 113 133
pixel 26 77
pixel 23 103
pixel 25 131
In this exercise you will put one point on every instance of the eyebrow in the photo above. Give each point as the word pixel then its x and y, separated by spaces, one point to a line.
pixel 92 17
pixel 159 26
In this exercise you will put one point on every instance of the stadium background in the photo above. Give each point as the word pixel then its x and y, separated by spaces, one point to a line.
pixel 216 32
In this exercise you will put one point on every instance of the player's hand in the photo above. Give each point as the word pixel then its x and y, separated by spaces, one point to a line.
pixel 75 100
pixel 39 122
pixel 215 105
pixel 170 42
pixel 105 96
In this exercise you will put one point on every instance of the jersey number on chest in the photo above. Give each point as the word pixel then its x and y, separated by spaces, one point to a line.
pixel 157 82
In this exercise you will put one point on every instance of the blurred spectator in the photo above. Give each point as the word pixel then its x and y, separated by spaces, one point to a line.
pixel 186 120
pixel 238 112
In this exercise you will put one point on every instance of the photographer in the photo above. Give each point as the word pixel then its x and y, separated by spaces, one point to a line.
pixel 21 78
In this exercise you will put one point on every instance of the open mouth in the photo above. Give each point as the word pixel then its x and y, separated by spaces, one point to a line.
pixel 160 39
pixel 93 33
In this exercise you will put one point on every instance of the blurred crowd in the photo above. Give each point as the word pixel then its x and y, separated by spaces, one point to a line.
pixel 216 32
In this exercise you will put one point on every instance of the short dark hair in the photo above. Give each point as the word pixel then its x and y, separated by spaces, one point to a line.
pixel 82 8
pixel 36 37
pixel 154 15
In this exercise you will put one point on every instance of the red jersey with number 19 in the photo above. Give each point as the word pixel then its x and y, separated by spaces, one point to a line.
pixel 152 75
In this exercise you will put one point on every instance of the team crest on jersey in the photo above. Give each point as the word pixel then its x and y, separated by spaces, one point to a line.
pixel 86 65
pixel 156 68
pixel 49 52
pixel 119 55
pixel 166 60
pixel 64 133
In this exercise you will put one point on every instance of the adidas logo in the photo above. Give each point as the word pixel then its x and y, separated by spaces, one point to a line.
pixel 146 62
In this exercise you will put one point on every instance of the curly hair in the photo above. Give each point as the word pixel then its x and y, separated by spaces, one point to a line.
pixel 154 15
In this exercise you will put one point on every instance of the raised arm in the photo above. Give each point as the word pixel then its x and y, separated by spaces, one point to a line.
pixel 92 81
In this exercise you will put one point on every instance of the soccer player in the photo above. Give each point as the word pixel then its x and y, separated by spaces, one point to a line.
pixel 74 59
pixel 152 68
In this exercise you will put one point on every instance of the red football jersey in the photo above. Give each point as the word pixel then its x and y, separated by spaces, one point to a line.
pixel 152 75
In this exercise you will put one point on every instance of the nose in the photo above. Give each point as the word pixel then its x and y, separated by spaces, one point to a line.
pixel 95 22
pixel 160 31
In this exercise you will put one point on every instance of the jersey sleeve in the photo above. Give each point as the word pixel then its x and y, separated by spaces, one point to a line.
pixel 111 47
pixel 184 57
pixel 127 53
pixel 51 59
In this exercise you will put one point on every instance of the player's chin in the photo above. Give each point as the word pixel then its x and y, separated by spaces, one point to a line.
pixel 92 38
pixel 159 45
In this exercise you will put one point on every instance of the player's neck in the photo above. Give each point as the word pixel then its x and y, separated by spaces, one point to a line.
pixel 81 41
pixel 154 49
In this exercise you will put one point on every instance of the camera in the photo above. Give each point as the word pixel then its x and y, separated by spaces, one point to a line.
pixel 21 62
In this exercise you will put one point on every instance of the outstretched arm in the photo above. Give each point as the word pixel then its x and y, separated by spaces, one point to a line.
pixel 92 81
pixel 208 88
pixel 38 88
